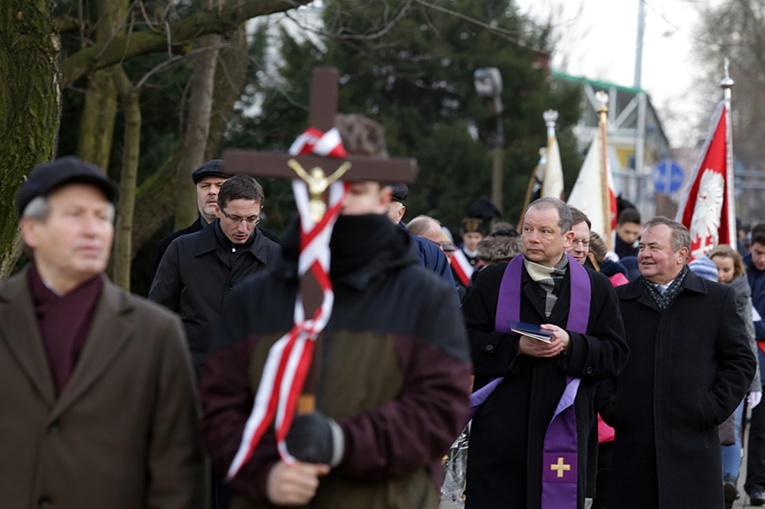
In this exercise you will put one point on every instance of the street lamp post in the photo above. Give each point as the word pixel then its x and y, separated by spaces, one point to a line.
pixel 488 86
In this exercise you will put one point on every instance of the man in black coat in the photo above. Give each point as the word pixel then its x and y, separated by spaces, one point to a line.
pixel 199 270
pixel 690 365
pixel 506 464
pixel 207 179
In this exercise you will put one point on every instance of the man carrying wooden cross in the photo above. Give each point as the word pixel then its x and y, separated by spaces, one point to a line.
pixel 391 367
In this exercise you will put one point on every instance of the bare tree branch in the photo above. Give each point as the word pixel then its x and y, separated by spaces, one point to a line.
pixel 180 32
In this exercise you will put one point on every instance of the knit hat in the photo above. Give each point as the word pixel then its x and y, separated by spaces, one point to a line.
pixel 704 267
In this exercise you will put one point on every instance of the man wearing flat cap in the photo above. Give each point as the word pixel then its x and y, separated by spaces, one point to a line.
pixel 207 179
pixel 96 386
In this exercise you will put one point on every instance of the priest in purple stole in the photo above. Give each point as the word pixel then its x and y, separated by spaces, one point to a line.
pixel 533 401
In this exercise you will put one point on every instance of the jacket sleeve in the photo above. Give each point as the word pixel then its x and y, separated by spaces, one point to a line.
pixel 227 402
pixel 166 286
pixel 175 470
pixel 416 428
pixel 744 309
pixel 494 353
pixel 736 364
pixel 602 352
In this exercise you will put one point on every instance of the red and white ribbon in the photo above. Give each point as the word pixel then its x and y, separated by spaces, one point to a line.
pixel 462 267
pixel 289 359
pixel 313 141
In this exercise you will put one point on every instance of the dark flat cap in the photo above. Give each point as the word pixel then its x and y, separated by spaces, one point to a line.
pixel 399 192
pixel 213 168
pixel 48 177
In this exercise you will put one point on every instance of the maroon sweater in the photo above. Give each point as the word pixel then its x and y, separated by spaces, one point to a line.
pixel 64 322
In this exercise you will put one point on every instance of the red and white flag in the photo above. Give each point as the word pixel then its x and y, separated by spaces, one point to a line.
pixel 708 208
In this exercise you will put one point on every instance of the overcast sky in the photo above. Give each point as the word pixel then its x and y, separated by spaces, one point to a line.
pixel 598 41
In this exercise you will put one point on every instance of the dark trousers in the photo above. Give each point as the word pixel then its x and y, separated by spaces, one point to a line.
pixel 605 455
pixel 755 461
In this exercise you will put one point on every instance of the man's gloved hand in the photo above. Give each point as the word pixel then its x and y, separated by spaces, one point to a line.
pixel 754 398
pixel 315 438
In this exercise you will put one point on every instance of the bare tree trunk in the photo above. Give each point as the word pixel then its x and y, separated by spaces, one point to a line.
pixel 100 111
pixel 230 75
pixel 155 201
pixel 98 117
pixel 197 130
pixel 131 105
pixel 29 107
pixel 155 197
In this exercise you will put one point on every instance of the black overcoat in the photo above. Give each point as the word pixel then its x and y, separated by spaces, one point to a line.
pixel 196 276
pixel 689 368
pixel 505 451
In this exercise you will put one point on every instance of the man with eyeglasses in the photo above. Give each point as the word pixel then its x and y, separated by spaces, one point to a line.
pixel 580 244
pixel 199 270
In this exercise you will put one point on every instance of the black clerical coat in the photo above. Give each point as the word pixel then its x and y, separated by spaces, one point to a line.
pixel 505 452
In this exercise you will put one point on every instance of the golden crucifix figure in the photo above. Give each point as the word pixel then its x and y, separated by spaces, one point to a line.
pixel 318 182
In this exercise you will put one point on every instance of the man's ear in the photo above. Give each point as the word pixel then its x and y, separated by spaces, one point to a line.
pixel 569 237
pixel 683 254
pixel 29 227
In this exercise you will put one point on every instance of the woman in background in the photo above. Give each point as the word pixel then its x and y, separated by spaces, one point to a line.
pixel 730 270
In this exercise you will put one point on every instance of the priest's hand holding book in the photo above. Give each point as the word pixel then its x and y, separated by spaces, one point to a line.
pixel 546 340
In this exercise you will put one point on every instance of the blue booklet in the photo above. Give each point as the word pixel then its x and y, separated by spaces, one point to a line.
pixel 530 330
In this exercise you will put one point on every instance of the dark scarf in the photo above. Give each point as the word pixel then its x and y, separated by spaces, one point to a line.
pixel 359 243
pixel 663 300
pixel 64 322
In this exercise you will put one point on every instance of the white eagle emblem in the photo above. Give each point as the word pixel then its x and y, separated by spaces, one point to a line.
pixel 707 212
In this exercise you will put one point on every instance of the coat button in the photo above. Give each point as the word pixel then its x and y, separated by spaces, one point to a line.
pixel 489 347
pixel 588 370
pixel 53 429
pixel 44 503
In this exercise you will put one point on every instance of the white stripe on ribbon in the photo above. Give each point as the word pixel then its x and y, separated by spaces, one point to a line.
pixel 305 329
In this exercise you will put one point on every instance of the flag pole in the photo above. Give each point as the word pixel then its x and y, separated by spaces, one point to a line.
pixel 726 84
pixel 602 100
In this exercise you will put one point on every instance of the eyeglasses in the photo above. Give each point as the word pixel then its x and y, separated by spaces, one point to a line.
pixel 251 220
pixel 579 242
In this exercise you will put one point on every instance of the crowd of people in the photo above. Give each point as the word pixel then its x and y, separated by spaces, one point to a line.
pixel 589 376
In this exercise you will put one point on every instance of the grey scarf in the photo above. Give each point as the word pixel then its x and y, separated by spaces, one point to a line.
pixel 546 277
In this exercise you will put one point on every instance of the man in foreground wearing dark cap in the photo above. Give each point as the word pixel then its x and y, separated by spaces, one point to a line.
pixel 96 386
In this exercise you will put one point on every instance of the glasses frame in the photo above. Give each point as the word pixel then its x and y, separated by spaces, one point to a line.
pixel 236 219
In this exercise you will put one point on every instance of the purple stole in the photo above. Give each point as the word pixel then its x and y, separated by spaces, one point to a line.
pixel 560 460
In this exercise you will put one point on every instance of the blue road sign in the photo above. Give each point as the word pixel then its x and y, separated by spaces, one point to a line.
pixel 668 176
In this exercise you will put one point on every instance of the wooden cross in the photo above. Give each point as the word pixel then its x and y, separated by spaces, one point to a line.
pixel 323 107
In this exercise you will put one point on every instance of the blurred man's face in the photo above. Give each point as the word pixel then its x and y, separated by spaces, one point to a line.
pixel 757 251
pixel 72 244
pixel 207 197
pixel 471 240
pixel 579 246
pixel 366 198
pixel 628 232
pixel 396 211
